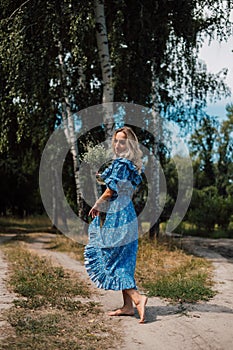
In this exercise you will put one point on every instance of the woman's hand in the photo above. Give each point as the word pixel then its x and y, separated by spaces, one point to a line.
pixel 99 179
pixel 94 211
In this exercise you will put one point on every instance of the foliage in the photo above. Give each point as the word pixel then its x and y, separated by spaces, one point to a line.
pixel 204 208
pixel 225 154
pixel 36 35
pixel 151 34
pixel 202 144
pixel 211 148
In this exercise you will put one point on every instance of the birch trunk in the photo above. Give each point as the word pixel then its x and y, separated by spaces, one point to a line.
pixel 58 210
pixel 69 129
pixel 54 200
pixel 155 164
pixel 106 69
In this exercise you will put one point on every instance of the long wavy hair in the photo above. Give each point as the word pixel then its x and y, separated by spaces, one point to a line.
pixel 133 151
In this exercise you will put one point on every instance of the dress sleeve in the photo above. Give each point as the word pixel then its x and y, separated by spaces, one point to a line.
pixel 121 175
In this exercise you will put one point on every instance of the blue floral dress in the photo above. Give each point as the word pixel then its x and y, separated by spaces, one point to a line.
pixel 110 256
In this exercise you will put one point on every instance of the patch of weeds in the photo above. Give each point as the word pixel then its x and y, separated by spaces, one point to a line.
pixel 53 330
pixel 173 274
pixel 26 323
pixel 180 287
pixel 48 315
pixel 39 281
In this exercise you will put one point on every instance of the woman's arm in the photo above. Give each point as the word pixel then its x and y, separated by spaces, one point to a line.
pixel 95 210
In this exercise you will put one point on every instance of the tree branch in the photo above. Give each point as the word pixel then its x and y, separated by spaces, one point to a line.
pixel 14 12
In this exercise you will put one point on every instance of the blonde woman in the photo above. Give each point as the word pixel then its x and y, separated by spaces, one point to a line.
pixel 110 256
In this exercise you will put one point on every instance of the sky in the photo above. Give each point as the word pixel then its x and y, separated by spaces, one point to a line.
pixel 217 56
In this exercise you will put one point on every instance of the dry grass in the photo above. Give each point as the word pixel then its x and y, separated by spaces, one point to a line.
pixel 162 269
pixel 166 271
pixel 28 224
pixel 156 258
pixel 49 313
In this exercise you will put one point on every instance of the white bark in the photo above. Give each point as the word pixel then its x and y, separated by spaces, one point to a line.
pixel 69 127
pixel 155 170
pixel 57 205
pixel 105 62
pixel 82 76
pixel 54 200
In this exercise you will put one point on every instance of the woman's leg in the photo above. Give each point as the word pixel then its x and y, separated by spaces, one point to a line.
pixel 127 300
pixel 139 301
pixel 127 308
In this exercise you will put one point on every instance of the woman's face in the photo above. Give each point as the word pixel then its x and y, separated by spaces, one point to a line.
pixel 120 143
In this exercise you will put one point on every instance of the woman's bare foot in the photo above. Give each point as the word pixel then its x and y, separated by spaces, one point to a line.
pixel 141 308
pixel 124 311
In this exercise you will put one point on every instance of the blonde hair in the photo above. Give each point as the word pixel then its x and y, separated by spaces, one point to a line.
pixel 133 151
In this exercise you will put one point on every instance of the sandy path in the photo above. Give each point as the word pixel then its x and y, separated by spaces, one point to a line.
pixel 6 297
pixel 205 325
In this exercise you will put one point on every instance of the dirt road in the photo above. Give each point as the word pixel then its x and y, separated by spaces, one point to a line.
pixel 6 298
pixel 204 325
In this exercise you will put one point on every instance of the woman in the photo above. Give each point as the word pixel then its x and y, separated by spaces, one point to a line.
pixel 110 256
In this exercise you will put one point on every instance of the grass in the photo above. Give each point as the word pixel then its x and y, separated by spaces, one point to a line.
pixel 180 287
pixel 49 313
pixel 39 281
pixel 28 224
pixel 187 229
pixel 172 274
pixel 162 270
pixel 55 331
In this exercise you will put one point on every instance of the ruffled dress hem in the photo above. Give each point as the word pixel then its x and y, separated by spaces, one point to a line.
pixel 99 274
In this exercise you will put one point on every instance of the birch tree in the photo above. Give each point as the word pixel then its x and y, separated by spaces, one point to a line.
pixel 106 69
pixel 156 48
pixel 156 129
pixel 139 31
pixel 42 84
pixel 69 126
